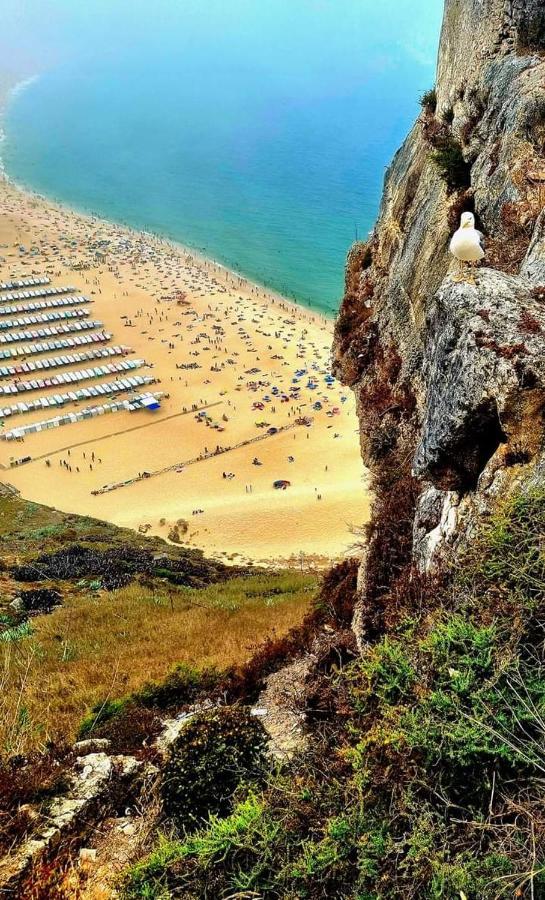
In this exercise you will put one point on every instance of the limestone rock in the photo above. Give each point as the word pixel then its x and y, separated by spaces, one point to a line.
pixel 171 730
pixel 534 264
pixel 97 780
pixel 173 727
pixel 91 745
pixel 484 376
pixel 280 707
pixel 435 523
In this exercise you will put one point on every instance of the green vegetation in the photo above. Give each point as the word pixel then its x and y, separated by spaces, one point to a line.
pixel 77 554
pixel 28 528
pixel 448 115
pixel 213 753
pixel 428 100
pixel 103 654
pixel 447 151
pixel 449 159
pixel 425 777
pixel 112 633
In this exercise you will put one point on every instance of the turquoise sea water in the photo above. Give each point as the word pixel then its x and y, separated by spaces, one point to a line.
pixel 258 134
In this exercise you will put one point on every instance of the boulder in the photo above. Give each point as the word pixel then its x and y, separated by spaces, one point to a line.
pixel 484 375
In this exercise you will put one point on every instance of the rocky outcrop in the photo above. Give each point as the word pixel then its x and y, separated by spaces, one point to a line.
pixel 101 785
pixel 98 784
pixel 484 376
pixel 280 707
pixel 449 375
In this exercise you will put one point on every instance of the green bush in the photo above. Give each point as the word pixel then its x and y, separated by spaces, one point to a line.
pixel 120 718
pixel 428 100
pixel 213 754
pixel 181 686
pixel 147 878
pixel 243 833
pixel 385 674
pixel 509 562
pixel 461 654
pixel 450 161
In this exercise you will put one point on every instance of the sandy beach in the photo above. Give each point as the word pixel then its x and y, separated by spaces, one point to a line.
pixel 212 342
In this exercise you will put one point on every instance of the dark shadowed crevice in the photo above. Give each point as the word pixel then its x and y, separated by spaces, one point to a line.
pixel 460 465
pixel 531 27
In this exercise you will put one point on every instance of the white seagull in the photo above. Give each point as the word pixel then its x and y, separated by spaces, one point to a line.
pixel 465 244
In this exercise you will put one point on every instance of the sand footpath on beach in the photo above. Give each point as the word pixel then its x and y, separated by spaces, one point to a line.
pixel 211 340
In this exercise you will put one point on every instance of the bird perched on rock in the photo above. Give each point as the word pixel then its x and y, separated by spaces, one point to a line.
pixel 465 244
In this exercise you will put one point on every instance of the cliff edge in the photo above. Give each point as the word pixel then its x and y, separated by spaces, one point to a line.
pixel 450 376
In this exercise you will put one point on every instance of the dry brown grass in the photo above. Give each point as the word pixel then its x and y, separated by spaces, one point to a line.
pixel 110 645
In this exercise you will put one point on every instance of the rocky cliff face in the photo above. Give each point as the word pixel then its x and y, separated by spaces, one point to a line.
pixel 450 376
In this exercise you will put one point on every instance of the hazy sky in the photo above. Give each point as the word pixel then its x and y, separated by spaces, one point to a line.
pixel 38 34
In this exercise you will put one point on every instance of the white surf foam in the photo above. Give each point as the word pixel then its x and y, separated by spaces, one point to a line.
pixel 13 92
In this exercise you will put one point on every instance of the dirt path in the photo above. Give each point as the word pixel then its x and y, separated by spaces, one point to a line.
pixel 279 707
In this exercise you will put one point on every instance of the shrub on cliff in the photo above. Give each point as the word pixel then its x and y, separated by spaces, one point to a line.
pixel 214 752
pixel 102 712
pixel 428 101
pixel 449 159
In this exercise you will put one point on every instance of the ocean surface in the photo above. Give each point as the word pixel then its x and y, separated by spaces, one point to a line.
pixel 258 134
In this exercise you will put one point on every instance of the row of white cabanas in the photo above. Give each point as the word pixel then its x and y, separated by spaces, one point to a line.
pixel 139 401
pixel 57 315
pixel 98 337
pixel 23 282
pixel 12 337
pixel 44 304
pixel 19 387
pixel 98 390
pixel 39 292
pixel 39 365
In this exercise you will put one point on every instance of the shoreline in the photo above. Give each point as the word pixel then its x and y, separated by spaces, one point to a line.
pixel 240 520
pixel 198 254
